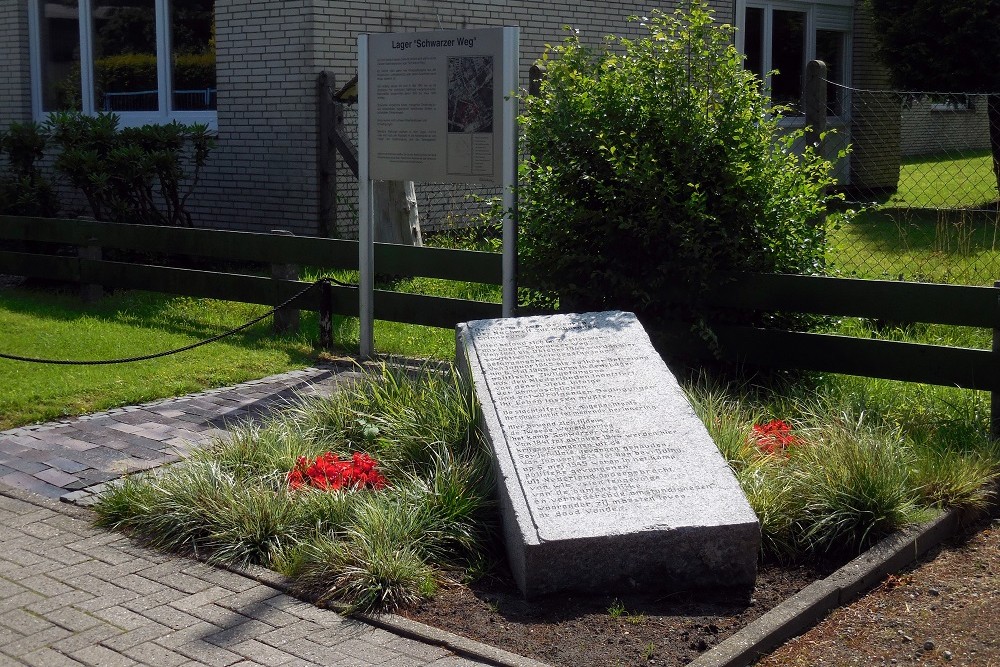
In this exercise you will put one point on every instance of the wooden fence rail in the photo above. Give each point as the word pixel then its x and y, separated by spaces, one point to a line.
pixel 321 253
pixel 884 300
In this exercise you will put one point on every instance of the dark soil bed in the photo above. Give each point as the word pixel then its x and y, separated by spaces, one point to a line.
pixel 632 629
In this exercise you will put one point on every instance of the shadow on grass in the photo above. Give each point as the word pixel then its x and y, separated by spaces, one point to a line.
pixel 942 231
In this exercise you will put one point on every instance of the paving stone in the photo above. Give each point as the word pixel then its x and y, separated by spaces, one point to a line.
pixel 154 655
pixel 20 480
pixel 145 633
pixel 236 633
pixel 173 618
pixel 209 654
pixel 40 531
pixel 46 605
pixel 72 619
pixel 56 477
pixel 46 585
pixel 88 638
pixel 66 465
pixel 35 641
pixel 23 622
pixel 103 656
pixel 26 466
pixel 147 601
pixel 260 652
pixel 122 618
pixel 46 657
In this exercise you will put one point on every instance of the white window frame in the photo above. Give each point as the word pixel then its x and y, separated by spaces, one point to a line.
pixel 812 25
pixel 127 118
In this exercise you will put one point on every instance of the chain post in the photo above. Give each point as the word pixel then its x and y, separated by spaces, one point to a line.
pixel 325 316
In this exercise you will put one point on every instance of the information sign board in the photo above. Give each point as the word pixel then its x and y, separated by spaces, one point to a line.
pixel 435 106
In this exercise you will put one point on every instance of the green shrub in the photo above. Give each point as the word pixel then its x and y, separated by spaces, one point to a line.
pixel 131 72
pixel 194 70
pixel 655 163
pixel 135 174
pixel 24 190
pixel 127 72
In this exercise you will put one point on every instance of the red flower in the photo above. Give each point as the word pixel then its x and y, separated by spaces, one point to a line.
pixel 329 473
pixel 774 437
pixel 295 479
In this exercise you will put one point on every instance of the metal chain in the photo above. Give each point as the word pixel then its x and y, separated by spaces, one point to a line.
pixel 146 357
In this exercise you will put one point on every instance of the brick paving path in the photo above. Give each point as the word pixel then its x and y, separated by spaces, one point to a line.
pixel 74 595
pixel 60 457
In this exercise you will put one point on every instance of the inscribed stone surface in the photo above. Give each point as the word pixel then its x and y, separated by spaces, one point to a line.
pixel 599 451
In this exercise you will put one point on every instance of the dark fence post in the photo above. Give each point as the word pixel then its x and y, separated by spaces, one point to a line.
pixel 995 393
pixel 535 77
pixel 91 292
pixel 285 320
pixel 326 156
pixel 814 101
pixel 325 316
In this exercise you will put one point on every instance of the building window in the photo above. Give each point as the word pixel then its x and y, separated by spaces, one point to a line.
pixel 779 38
pixel 146 60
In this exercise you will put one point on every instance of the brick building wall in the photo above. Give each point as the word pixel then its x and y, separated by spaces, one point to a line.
pixel 875 119
pixel 263 173
pixel 930 128
pixel 15 75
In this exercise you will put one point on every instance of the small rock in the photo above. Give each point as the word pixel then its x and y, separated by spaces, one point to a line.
pixel 947 655
pixel 928 645
pixel 907 639
pixel 933 591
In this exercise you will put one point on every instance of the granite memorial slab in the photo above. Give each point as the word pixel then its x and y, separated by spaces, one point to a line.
pixel 607 478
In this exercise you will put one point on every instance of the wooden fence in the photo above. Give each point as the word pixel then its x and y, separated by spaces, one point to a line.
pixel 884 300
pixel 93 238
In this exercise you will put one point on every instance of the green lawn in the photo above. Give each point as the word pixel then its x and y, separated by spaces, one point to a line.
pixel 960 247
pixel 53 324
pixel 942 225
pixel 57 325
pixel 955 180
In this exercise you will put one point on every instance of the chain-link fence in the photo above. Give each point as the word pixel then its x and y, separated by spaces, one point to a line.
pixel 921 175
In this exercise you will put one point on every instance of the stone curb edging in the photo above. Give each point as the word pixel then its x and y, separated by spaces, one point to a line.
pixel 814 602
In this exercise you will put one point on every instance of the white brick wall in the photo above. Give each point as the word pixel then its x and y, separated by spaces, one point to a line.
pixel 263 174
pixel 15 77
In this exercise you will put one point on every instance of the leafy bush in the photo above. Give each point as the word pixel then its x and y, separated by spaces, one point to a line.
pixel 134 174
pixel 24 190
pixel 655 163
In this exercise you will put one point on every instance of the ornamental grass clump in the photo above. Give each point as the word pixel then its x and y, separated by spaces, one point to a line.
pixel 367 498
pixel 831 464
